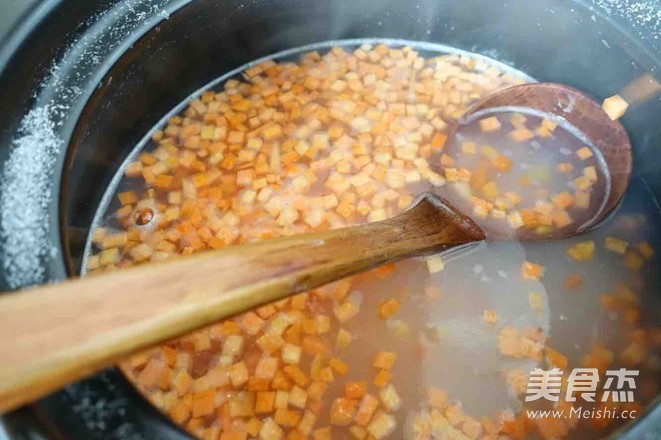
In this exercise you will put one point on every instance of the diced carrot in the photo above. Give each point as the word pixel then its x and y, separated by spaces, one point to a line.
pixel 388 308
pixel 343 411
pixel 338 366
pixel 584 153
pixel 382 378
pixel 556 358
pixel 532 271
pixel 573 281
pixel 582 251
pixel 385 360
pixel 438 141
pixel 616 245
pixel 490 124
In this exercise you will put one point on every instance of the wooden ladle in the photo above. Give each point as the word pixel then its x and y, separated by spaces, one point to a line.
pixel 56 334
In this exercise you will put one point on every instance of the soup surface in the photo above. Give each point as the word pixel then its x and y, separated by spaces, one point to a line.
pixel 423 349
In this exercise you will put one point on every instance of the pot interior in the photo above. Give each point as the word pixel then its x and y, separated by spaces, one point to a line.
pixel 565 43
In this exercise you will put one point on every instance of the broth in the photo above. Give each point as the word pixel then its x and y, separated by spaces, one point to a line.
pixel 429 348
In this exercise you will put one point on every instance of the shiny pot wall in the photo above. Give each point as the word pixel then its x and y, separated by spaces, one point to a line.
pixel 83 81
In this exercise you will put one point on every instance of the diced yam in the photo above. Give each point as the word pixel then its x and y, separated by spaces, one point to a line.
pixel 322 433
pixel 287 217
pixel 390 398
pixel 270 342
pixel 563 200
pixel 345 311
pixel 468 147
pixel 531 271
pixel 514 343
pixel 385 360
pixel 489 124
pixel 343 411
pixel 382 426
pixel 549 124
pixel 615 107
pixel 490 316
pixel 521 134
pixel 322 324
pixel 270 430
pixel 281 399
pixel 307 423
pixel 590 173
pixel 296 375
pixel 343 339
pixel 141 252
pixel 564 167
pixel 241 404
pixel 472 428
pixel 233 345
pixel 127 198
pixel 584 153
pixel 317 389
pixel 490 190
pixel 582 199
pixel 437 398
pixel 616 245
pixel 280 323
pixel 582 251
pixel 366 409
pixel 518 119
pixel 582 183
pixel 561 219
pixel 182 382
pixel 266 368
pixel 536 302
pixel 358 432
pixel 435 264
pixel 298 397
pixel 515 220
pixel 239 374
pixel 291 354
pixel 251 323
pixel 109 256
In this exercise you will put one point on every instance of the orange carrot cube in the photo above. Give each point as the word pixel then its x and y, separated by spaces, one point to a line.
pixel 532 271
pixel 584 153
pixel 343 411
pixel 385 360
pixel 582 251
pixel 382 378
pixel 388 308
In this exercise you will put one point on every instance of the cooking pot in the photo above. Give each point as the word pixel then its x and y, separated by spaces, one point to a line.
pixel 82 82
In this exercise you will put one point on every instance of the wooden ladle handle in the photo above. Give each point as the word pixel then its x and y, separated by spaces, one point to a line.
pixel 57 334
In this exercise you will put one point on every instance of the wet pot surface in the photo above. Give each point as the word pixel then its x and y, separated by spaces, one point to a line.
pixel 144 76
